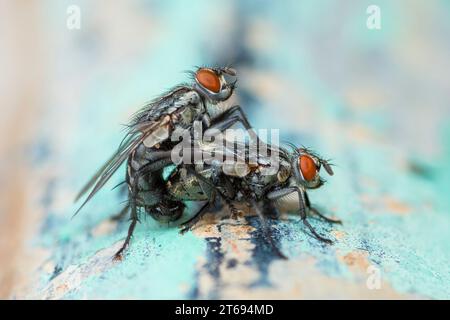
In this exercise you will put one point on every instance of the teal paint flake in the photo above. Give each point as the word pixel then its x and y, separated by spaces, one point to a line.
pixel 160 264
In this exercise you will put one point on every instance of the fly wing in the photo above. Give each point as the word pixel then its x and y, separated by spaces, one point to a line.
pixel 160 110
pixel 108 169
pixel 217 148
pixel 227 149
pixel 229 154
pixel 103 169
pixel 238 157
pixel 149 126
pixel 169 102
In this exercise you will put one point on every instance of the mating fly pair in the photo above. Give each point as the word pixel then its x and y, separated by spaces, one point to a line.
pixel 147 147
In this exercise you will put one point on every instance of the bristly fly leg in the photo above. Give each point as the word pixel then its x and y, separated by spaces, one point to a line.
pixel 216 191
pixel 283 192
pixel 230 117
pixel 150 167
pixel 234 211
pixel 239 113
pixel 315 211
pixel 187 225
pixel 134 219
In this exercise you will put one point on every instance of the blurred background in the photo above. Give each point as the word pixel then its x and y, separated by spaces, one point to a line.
pixel 374 100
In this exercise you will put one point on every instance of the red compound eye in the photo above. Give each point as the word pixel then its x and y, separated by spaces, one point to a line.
pixel 307 167
pixel 208 79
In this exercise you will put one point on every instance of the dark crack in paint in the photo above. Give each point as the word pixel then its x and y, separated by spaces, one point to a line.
pixel 264 253
pixel 214 256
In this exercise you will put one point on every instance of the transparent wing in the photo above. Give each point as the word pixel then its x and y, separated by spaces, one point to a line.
pixel 239 151
pixel 110 167
pixel 166 104
pixel 223 149
pixel 149 126
pixel 103 169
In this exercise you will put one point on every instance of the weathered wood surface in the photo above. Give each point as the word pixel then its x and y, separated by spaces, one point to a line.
pixel 377 102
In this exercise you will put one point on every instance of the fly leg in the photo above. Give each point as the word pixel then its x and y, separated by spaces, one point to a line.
pixel 229 192
pixel 150 167
pixel 230 117
pixel 266 230
pixel 234 211
pixel 216 191
pixel 237 113
pixel 134 219
pixel 133 215
pixel 315 211
pixel 301 199
pixel 187 225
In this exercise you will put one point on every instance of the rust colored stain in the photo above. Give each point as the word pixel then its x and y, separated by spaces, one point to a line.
pixel 339 235
pixel 385 204
pixel 22 103
pixel 356 260
pixel 396 206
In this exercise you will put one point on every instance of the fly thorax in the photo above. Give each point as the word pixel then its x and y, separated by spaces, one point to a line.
pixel 187 116
pixel 216 109
pixel 267 179
pixel 257 182
pixel 293 182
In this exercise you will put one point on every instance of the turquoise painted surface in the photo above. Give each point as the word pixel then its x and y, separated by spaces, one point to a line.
pixel 368 99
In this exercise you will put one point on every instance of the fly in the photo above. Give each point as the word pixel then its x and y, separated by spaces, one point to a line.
pixel 266 190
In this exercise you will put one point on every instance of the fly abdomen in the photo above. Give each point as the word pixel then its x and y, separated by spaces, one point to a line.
pixel 144 177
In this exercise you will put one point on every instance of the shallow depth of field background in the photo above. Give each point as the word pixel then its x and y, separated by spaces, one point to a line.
pixel 376 101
